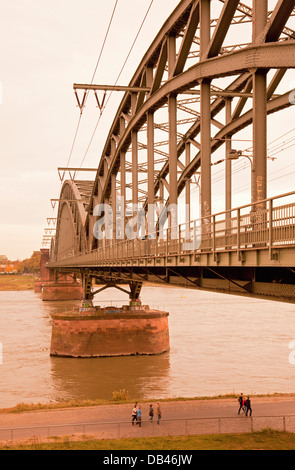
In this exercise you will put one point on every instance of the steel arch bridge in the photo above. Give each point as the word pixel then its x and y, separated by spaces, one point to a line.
pixel 191 93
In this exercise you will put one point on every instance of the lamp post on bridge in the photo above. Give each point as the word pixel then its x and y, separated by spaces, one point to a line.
pixel 235 155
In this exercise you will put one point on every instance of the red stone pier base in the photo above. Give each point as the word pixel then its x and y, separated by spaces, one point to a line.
pixel 110 331
pixel 46 276
pixel 55 291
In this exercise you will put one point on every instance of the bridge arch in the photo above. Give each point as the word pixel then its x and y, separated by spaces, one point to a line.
pixel 179 68
pixel 71 236
pixel 179 96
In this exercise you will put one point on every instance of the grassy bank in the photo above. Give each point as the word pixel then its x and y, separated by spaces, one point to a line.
pixel 16 282
pixel 265 440
pixel 24 407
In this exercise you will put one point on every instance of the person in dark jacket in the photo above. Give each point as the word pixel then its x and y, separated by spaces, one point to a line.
pixel 159 413
pixel 151 413
pixel 248 406
pixel 240 400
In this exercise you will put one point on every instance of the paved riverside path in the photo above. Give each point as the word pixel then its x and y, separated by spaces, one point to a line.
pixel 178 418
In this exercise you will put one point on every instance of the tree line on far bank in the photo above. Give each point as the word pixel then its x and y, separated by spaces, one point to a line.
pixel 27 266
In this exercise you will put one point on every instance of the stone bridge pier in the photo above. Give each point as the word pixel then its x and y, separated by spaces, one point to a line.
pixel 55 286
pixel 93 331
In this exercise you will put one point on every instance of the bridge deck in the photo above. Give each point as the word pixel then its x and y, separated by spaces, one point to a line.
pixel 259 237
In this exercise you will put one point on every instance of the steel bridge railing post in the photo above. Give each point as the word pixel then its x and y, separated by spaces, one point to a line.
pixel 167 242
pixel 214 237
pixel 270 209
pixel 239 234
pixel 179 240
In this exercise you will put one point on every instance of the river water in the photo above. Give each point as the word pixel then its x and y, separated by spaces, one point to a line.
pixel 219 344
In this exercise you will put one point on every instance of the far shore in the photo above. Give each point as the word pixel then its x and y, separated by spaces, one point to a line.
pixel 17 282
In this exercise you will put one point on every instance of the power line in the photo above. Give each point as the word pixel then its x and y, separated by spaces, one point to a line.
pixel 93 76
pixel 105 40
pixel 120 73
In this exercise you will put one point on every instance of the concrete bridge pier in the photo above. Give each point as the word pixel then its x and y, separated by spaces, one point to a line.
pixel 93 331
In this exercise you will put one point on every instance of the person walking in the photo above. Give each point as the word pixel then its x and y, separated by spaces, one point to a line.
pixel 151 413
pixel 240 400
pixel 159 413
pixel 139 416
pixel 248 406
pixel 134 414
pixel 244 406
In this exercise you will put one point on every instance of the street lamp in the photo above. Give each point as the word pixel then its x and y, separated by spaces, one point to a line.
pixel 236 154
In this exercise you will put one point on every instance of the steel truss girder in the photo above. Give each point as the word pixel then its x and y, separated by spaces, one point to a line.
pixel 131 123
pixel 265 56
pixel 167 82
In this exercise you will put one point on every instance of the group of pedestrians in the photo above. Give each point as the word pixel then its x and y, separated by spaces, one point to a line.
pixel 137 414
pixel 245 405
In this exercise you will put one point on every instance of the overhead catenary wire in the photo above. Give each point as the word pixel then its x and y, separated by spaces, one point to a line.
pixel 92 79
pixel 118 77
pixel 272 149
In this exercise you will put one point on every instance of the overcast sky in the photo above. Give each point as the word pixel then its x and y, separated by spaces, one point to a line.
pixel 45 47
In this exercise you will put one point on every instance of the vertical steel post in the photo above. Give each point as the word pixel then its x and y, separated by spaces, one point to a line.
pixel 150 172
pixel 259 174
pixel 172 116
pixel 214 237
pixel 205 149
pixel 239 234
pixel 260 14
pixel 114 207
pixel 123 181
pixel 134 139
pixel 106 202
pixel 134 145
pixel 187 192
pixel 270 222
pixel 205 114
pixel 228 169
pixel 150 158
pixel 114 195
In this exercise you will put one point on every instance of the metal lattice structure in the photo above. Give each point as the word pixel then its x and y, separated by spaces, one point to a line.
pixel 175 114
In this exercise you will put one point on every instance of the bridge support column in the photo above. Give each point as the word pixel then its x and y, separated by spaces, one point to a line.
pixel 54 286
pixel 60 290
pixel 46 276
pixel 110 331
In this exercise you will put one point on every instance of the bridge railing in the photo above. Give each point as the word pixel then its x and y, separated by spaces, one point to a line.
pixel 267 224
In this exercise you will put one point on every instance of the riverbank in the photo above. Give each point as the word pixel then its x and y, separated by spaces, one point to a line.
pixel 185 424
pixel 30 407
pixel 16 282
